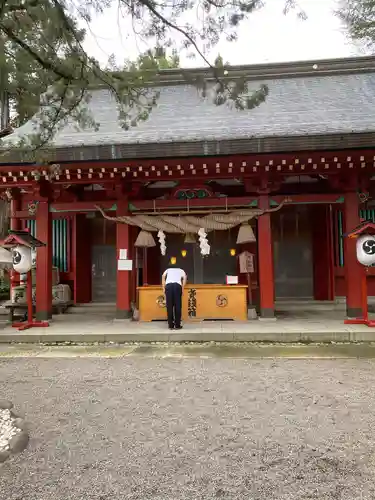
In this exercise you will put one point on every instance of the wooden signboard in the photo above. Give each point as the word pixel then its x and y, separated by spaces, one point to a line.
pixel 246 262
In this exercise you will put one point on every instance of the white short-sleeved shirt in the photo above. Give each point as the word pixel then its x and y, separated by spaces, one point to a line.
pixel 174 275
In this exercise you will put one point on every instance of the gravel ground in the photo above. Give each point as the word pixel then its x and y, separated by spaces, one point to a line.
pixel 115 429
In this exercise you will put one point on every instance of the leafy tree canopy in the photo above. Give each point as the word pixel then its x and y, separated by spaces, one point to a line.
pixel 150 61
pixel 359 18
pixel 42 59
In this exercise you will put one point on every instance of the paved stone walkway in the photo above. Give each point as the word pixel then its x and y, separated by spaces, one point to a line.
pixel 209 350
pixel 296 330
pixel 142 428
pixel 311 326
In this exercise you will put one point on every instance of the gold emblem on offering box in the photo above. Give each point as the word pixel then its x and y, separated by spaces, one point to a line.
pixel 221 300
pixel 161 301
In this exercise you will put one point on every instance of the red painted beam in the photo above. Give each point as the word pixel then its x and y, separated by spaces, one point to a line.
pixel 223 202
pixel 205 170
pixel 199 176
pixel 63 208
pixel 209 160
pixel 83 206
pixel 194 203
pixel 24 214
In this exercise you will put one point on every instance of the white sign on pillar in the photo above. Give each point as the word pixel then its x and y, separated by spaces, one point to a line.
pixel 124 265
pixel 123 254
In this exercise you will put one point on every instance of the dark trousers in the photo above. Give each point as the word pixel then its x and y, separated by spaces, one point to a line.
pixel 173 295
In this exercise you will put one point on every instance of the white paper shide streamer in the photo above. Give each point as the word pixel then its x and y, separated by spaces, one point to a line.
pixel 203 242
pixel 163 247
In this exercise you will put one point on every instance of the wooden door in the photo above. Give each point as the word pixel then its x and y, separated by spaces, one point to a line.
pixel 293 253
pixel 103 273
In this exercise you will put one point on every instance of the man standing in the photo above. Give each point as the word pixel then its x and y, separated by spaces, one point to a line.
pixel 173 283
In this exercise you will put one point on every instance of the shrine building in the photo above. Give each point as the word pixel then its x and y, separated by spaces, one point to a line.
pixel 292 175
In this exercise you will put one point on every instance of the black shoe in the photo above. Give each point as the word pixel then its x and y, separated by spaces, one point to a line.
pixel 171 327
pixel 178 327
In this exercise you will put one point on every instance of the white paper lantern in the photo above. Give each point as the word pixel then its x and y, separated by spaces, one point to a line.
pixel 366 250
pixel 22 260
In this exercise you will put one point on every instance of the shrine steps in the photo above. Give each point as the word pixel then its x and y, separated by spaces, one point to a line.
pixel 94 309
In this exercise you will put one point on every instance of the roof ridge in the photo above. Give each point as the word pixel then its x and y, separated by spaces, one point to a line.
pixel 265 71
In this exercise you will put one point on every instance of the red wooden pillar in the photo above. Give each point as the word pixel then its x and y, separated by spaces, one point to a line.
pixel 133 277
pixel 44 262
pixel 322 244
pixel 123 309
pixel 15 206
pixel 15 224
pixel 353 269
pixel 265 262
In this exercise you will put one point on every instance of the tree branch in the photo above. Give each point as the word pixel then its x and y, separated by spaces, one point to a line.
pixel 43 63
pixel 165 21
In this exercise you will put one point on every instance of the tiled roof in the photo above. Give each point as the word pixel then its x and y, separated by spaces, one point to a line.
pixel 300 104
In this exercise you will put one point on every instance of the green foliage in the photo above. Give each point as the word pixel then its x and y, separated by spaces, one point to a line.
pixel 42 58
pixel 219 62
pixel 359 18
pixel 154 60
pixel 149 62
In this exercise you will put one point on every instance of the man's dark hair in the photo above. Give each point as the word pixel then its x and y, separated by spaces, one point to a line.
pixel 172 264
